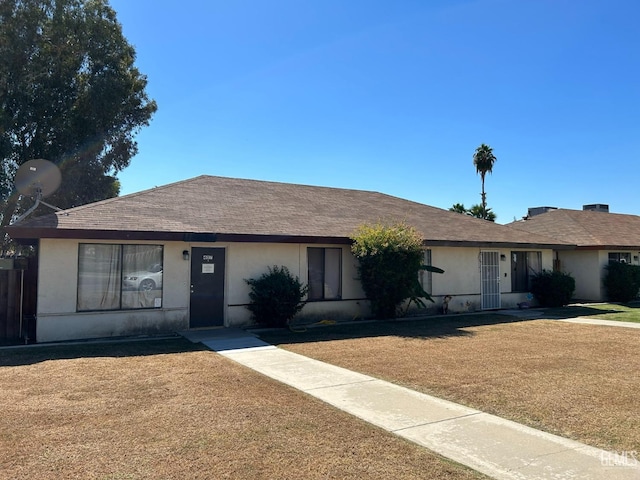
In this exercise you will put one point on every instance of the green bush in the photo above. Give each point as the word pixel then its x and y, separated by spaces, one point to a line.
pixel 621 282
pixel 390 257
pixel 553 289
pixel 276 297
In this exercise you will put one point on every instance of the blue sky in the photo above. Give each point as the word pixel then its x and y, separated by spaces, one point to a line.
pixel 395 96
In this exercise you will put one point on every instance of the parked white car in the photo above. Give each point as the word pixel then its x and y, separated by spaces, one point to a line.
pixel 144 280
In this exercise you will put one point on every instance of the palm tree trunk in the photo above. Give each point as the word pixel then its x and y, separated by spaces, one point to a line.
pixel 484 200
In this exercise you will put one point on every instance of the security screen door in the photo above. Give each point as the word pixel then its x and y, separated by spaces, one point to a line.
pixel 490 275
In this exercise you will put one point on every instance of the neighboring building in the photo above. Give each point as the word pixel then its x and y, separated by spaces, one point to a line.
pixel 601 237
pixel 176 257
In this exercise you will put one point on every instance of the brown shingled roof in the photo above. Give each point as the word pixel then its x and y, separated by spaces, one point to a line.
pixel 586 229
pixel 238 209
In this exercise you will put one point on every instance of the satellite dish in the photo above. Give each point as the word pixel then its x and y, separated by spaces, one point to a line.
pixel 38 178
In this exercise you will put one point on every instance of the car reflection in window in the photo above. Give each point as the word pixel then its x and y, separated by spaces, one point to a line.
pixel 144 280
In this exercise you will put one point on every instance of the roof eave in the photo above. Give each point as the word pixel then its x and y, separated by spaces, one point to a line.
pixel 27 233
pixel 30 233
pixel 530 245
pixel 609 247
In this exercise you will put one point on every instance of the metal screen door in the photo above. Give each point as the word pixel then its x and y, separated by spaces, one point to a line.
pixel 490 275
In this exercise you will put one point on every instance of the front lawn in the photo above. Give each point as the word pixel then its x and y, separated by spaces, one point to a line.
pixel 577 381
pixel 173 410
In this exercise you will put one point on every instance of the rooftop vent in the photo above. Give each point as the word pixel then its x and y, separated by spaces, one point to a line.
pixel 596 207
pixel 538 210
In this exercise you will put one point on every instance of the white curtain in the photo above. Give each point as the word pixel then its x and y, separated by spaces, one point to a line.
pixel 101 269
pixel 99 277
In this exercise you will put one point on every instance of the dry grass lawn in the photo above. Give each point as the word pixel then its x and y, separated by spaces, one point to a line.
pixel 577 381
pixel 169 410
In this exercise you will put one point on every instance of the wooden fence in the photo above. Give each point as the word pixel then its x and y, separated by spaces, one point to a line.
pixel 18 293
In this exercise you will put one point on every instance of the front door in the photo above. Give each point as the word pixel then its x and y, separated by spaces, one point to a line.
pixel 490 274
pixel 206 306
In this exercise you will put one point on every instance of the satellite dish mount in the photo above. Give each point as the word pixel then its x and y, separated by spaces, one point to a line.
pixel 37 179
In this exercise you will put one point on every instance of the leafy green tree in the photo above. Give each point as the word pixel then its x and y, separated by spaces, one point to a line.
pixel 69 93
pixel 483 159
pixel 390 258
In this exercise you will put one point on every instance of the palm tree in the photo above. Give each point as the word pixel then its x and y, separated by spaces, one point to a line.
pixel 484 213
pixel 484 159
pixel 458 208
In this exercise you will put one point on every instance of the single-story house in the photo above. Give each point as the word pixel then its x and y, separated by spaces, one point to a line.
pixel 600 238
pixel 176 257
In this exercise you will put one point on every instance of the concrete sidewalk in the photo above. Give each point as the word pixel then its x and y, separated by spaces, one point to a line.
pixel 494 446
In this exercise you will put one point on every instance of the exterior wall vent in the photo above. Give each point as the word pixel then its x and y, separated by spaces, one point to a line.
pixel 596 207
pixel 538 210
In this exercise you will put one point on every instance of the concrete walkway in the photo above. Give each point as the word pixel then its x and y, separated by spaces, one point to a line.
pixel 494 446
pixel 537 314
pixel 606 323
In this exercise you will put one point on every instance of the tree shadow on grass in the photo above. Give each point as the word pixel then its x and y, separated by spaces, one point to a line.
pixel 32 354
pixel 424 327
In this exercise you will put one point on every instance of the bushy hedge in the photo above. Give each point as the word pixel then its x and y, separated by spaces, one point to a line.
pixel 552 288
pixel 621 282
pixel 276 297
pixel 390 257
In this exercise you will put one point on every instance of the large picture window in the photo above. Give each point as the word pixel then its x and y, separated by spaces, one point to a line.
pixel 523 266
pixel 115 277
pixel 325 273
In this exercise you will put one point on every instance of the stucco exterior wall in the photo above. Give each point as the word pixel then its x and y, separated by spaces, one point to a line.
pixel 462 277
pixel 250 260
pixel 587 268
pixel 57 318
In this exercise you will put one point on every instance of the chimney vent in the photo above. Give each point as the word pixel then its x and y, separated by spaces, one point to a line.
pixel 538 210
pixel 596 207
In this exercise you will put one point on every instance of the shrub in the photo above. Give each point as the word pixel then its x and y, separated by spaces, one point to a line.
pixel 621 282
pixel 276 297
pixel 390 257
pixel 553 289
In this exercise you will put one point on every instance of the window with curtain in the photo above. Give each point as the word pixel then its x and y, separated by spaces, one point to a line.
pixel 324 273
pixel 523 266
pixel 114 277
